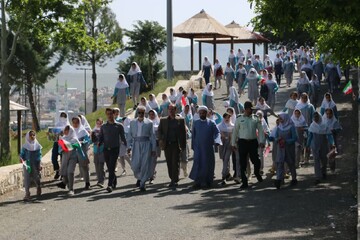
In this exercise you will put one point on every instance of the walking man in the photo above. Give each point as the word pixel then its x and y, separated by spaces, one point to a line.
pixel 172 139
pixel 142 143
pixel 245 140
pixel 111 135
pixel 204 136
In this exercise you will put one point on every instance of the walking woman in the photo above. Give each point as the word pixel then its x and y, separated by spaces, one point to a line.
pixel 121 93
pixel 135 78
pixel 301 129
pixel 206 70
pixel 252 80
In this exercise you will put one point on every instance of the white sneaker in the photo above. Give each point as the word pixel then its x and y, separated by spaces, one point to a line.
pixel 71 193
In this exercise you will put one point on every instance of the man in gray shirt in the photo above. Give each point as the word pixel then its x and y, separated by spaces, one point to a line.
pixel 111 135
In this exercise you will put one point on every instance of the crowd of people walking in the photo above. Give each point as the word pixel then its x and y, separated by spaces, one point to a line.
pixel 307 127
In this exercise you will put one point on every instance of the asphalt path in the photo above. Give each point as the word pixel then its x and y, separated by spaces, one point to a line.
pixel 222 212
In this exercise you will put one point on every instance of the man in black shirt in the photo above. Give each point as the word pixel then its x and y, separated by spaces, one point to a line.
pixel 111 135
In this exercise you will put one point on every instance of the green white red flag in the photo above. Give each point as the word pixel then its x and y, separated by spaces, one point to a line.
pixel 67 146
pixel 348 88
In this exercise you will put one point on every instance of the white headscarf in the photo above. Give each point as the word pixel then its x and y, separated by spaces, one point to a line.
pixel 301 105
pixel 85 123
pixel 122 84
pixel 207 92
pixel 156 120
pixel 226 127
pixel 153 103
pixel 80 131
pixel 320 127
pixel 252 74
pixel 298 122
pixel 233 95
pixel 304 79
pixel 71 137
pixel 291 103
pixel 233 116
pixel 286 124
pixel 31 145
pixel 229 69
pixel 147 106
pixel 217 65
pixel 206 62
pixel 262 106
pixel 62 122
pixel 328 104
pixel 134 71
pixel 173 96
pixel 331 123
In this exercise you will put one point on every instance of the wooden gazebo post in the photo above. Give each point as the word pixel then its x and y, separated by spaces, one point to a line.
pixel 19 132
pixel 200 57
pixel 192 55
pixel 214 49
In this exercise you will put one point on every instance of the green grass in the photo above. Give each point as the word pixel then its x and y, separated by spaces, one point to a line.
pixel 160 86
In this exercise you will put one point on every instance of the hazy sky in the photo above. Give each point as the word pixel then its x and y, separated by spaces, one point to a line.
pixel 225 11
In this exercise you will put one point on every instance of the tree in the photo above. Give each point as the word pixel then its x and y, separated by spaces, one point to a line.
pixel 102 39
pixel 147 39
pixel 18 18
pixel 331 25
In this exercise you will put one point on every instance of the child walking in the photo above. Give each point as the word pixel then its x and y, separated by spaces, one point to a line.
pixel 30 156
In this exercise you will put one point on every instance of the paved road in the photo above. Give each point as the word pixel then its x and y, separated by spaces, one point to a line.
pixel 304 212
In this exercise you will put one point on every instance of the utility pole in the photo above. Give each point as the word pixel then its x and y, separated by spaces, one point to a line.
pixel 169 41
pixel 85 69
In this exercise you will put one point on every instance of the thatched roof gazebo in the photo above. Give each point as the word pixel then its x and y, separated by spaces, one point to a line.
pixel 201 26
pixel 239 35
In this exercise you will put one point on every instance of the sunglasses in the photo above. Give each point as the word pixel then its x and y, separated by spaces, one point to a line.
pixel 141 112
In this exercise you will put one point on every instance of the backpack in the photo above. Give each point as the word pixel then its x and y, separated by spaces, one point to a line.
pixel 264 91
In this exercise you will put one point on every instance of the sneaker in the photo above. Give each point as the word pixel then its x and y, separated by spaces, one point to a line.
pixel 223 183
pixel 237 180
pixel 293 182
pixel 244 186
pixel 27 197
pixel 259 178
pixel 142 189
pixel 61 185
pixel 151 181
pixel 287 176
pixel 38 191
pixel 100 185
pixel 57 175
pixel 109 189
pixel 87 186
pixel 138 183
pixel 277 184
pixel 71 193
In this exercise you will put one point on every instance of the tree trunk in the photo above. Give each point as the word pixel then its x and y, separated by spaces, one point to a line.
pixel 94 78
pixel 5 92
pixel 29 91
pixel 150 74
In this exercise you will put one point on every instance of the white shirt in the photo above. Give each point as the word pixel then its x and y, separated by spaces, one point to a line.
pixel 139 128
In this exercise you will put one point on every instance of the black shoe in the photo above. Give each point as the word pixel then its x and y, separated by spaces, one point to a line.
pixel 142 189
pixel 293 182
pixel 223 183
pixel 244 186
pixel 57 175
pixel 87 186
pixel 259 178
pixel 277 184
pixel 61 185
pixel 138 183
pixel 113 186
pixel 109 189
pixel 324 176
pixel 317 181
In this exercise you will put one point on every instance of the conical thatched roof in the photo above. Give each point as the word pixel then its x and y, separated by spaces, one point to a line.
pixel 16 107
pixel 241 35
pixel 202 25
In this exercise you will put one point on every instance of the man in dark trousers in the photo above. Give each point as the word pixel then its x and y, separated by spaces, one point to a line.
pixel 172 139
pixel 245 140
pixel 111 135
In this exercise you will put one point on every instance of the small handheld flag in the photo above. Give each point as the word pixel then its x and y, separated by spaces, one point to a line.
pixel 348 88
pixel 26 164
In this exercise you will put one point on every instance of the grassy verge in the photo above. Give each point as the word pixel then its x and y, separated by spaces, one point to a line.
pixel 160 86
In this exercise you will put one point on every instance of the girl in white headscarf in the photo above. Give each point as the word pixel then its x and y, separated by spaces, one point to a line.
pixel 261 150
pixel 173 95
pixel 285 137
pixel 121 92
pixel 252 80
pixel 208 96
pixel 234 99
pixel 84 138
pixel 85 123
pixel 301 128
pixel 319 140
pixel 291 103
pixel 229 76
pixel 206 70
pixel 225 150
pixel 218 73
pixel 30 157
pixel 334 126
pixel 303 84
pixel 163 111
pixel 153 103
pixel 153 116
pixel 328 102
pixel 98 151
pixel 135 78
pixel 69 159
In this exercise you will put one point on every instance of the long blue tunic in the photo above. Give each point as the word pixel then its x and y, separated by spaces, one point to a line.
pixel 203 139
